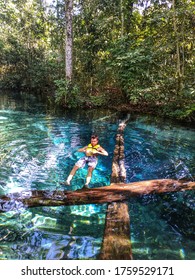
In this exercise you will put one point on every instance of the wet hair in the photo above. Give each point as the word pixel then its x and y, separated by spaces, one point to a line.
pixel 94 136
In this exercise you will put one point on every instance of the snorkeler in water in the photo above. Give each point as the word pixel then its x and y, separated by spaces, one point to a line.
pixel 91 151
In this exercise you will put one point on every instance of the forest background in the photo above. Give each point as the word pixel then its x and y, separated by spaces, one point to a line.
pixel 133 55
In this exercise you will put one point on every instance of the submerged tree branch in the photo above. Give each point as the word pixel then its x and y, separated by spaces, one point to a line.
pixel 116 242
pixel 113 193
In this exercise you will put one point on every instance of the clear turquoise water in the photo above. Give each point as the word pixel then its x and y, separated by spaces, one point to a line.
pixel 38 148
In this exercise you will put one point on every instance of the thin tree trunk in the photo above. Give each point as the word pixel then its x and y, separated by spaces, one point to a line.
pixel 122 18
pixel 178 61
pixel 69 39
pixel 128 15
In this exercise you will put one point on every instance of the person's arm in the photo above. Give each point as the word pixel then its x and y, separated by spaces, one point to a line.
pixel 101 151
pixel 83 150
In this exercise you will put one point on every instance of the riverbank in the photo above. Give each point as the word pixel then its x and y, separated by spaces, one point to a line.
pixel 179 109
pixel 169 111
pixel 176 111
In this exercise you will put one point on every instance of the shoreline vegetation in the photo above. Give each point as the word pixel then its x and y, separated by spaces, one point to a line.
pixel 173 111
pixel 134 56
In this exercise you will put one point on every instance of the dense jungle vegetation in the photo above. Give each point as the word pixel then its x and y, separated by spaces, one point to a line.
pixel 127 54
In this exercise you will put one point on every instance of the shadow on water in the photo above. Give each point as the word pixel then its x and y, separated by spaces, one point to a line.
pixel 38 149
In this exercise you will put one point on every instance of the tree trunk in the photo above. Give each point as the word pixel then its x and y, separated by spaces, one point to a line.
pixel 122 18
pixel 178 71
pixel 69 39
pixel 116 242
pixel 178 60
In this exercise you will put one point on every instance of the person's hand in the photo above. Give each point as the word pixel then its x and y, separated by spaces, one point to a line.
pixel 89 152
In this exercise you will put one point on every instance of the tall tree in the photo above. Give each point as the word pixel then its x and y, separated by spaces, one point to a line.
pixel 178 60
pixel 69 39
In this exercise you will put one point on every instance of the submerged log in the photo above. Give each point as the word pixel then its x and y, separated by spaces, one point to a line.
pixel 116 192
pixel 118 165
pixel 116 242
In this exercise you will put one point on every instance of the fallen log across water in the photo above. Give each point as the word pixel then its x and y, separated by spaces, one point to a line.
pixel 116 192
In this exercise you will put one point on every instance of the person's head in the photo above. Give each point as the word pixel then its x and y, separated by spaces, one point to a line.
pixel 94 139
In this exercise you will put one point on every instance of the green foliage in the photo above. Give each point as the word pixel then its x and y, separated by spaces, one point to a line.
pixel 100 100
pixel 25 62
pixel 180 112
pixel 120 55
pixel 189 112
pixel 67 94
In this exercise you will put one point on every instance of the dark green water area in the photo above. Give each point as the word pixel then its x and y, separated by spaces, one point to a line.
pixel 38 148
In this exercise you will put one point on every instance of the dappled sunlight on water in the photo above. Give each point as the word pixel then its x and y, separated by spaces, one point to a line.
pixel 38 148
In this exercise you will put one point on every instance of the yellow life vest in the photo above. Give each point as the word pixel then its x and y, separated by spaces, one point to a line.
pixel 91 149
